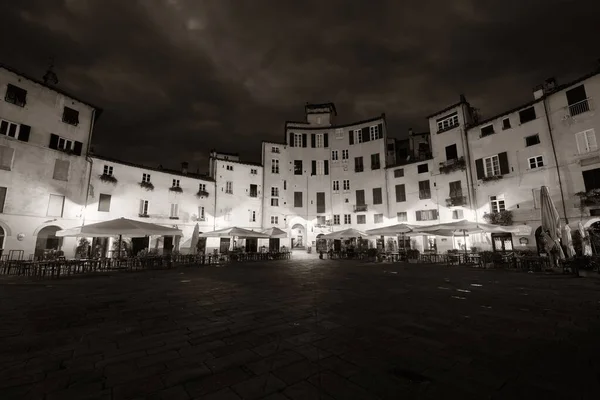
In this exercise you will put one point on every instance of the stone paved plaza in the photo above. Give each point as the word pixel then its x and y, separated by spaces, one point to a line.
pixel 302 329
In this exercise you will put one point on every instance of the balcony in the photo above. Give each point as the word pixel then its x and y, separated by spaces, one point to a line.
pixel 456 201
pixel 202 193
pixel 358 169
pixel 360 208
pixel 579 107
pixel 457 164
pixel 424 194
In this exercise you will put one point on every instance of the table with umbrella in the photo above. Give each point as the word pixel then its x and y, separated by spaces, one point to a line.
pixel 393 230
pixel 239 233
pixel 349 233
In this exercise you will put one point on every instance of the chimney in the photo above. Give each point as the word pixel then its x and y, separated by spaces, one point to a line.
pixel 538 92
pixel 550 84
pixel 463 98
pixel 184 167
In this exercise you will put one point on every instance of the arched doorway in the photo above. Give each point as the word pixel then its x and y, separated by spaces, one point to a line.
pixel 594 233
pixel 298 236
pixel 47 241
pixel 321 243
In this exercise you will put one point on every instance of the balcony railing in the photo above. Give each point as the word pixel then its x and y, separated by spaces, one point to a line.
pixel 457 164
pixel 360 208
pixel 358 169
pixel 376 166
pixel 455 201
pixel 424 194
pixel 579 107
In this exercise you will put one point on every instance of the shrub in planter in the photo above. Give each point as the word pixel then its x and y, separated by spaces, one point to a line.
pixel 372 253
pixel 486 179
pixel 108 179
pixel 413 255
pixel 147 185
pixel 499 218
pixel 202 193
pixel 176 189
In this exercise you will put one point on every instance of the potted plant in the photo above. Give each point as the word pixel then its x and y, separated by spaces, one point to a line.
pixel 176 189
pixel 147 185
pixel 492 178
pixel 108 179
pixel 202 193
pixel 83 248
pixel 413 255
pixel 499 218
pixel 372 254
pixel 450 166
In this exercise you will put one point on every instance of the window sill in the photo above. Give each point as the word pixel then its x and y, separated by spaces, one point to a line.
pixel 173 217
pixel 143 216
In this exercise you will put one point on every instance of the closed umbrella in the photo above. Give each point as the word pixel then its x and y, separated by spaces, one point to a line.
pixel 567 240
pixel 551 220
pixel 585 239
pixel 194 241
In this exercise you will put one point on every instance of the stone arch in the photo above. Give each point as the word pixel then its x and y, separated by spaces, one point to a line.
pixel 46 240
pixel 590 222
pixel 298 234
pixel 5 228
pixel 36 232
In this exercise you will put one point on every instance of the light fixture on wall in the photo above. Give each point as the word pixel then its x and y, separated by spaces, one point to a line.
pixel 523 241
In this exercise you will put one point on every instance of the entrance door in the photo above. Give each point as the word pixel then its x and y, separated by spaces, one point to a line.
pixel 224 247
pixel 273 244
pixel 252 245
pixel 201 245
pixel 502 241
pixel 337 245
pixel 168 245
pixel 139 244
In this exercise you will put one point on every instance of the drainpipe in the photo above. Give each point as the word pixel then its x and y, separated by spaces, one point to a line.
pixel 562 194
pixel 467 155
pixel 91 162
pixel 215 209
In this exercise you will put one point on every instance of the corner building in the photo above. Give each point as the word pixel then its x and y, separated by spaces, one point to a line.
pixel 325 177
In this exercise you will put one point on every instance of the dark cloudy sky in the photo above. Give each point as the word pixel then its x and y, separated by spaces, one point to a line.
pixel 179 77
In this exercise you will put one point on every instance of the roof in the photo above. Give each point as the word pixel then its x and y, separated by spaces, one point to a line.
pixel 512 110
pixel 309 106
pixel 254 164
pixel 446 109
pixel 278 143
pixel 316 128
pixel 225 153
pixel 157 169
pixel 54 88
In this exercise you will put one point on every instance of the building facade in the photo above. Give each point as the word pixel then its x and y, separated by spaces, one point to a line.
pixel 45 135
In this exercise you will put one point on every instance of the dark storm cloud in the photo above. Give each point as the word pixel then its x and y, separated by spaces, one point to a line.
pixel 179 77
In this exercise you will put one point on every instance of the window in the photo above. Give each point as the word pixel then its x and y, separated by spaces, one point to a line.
pixel 319 140
pixel 451 152
pixel 400 193
pixel 491 166
pixel 336 186
pixel 297 199
pixel 320 202
pixel 527 115
pixel 347 219
pixel 227 214
pixel 375 161
pixel 275 166
pixel 230 167
pixel 275 150
pixel 497 204
pixel 361 219
pixel 6 157
pixel 578 101
pixel 55 206
pixel 426 215
pixel 321 220
pixel 447 122
pixel 70 116
pixel 253 172
pixel 591 179
pixel 8 128
pixel 108 170
pixel 334 155
pixel 284 185
pixel 455 189
pixel 15 95
pixel 274 202
pixel 174 211
pixel 274 219
pixel 535 162
pixel 358 136
pixel 2 198
pixel 175 182
pixel 402 216
pixel 377 196
pixel 532 140
pixel 487 130
pixel 61 170
pixel 336 219
pixel 252 216
pixel 104 202
pixel 358 164
pixel 339 133
pixel 146 178
pixel 297 167
pixel 458 214
pixel 424 190
pixel 201 186
pixel 506 123
pixel 374 132
pixel 346 185
pixel 399 173
pixel 275 192
pixel 320 167
pixel 378 218
pixel 143 208
pixel 344 154
pixel 201 215
pixel 297 140
pixel 253 190
pixel 422 168
pixel 229 187
pixel 586 141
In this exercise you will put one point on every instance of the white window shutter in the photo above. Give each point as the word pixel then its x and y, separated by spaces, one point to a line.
pixel 590 136
pixel 141 206
pixel 580 138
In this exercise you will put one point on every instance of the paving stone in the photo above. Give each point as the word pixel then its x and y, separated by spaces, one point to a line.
pixel 171 393
pixel 223 394
pixel 297 372
pixel 190 373
pixel 216 382
pixel 305 391
pixel 258 386
pixel 274 361
pixel 137 388
pixel 232 360
pixel 337 386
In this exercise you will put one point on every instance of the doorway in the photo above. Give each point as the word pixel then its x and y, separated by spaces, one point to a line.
pixel 201 246
pixel 168 245
pixel 138 244
pixel 502 242
pixel 47 241
pixel 251 245
pixel 224 245
pixel 298 236
pixel 273 244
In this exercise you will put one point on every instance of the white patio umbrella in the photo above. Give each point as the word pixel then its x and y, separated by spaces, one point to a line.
pixel 392 230
pixel 345 234
pixel 551 221
pixel 194 240
pixel 275 233
pixel 121 227
pixel 235 231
